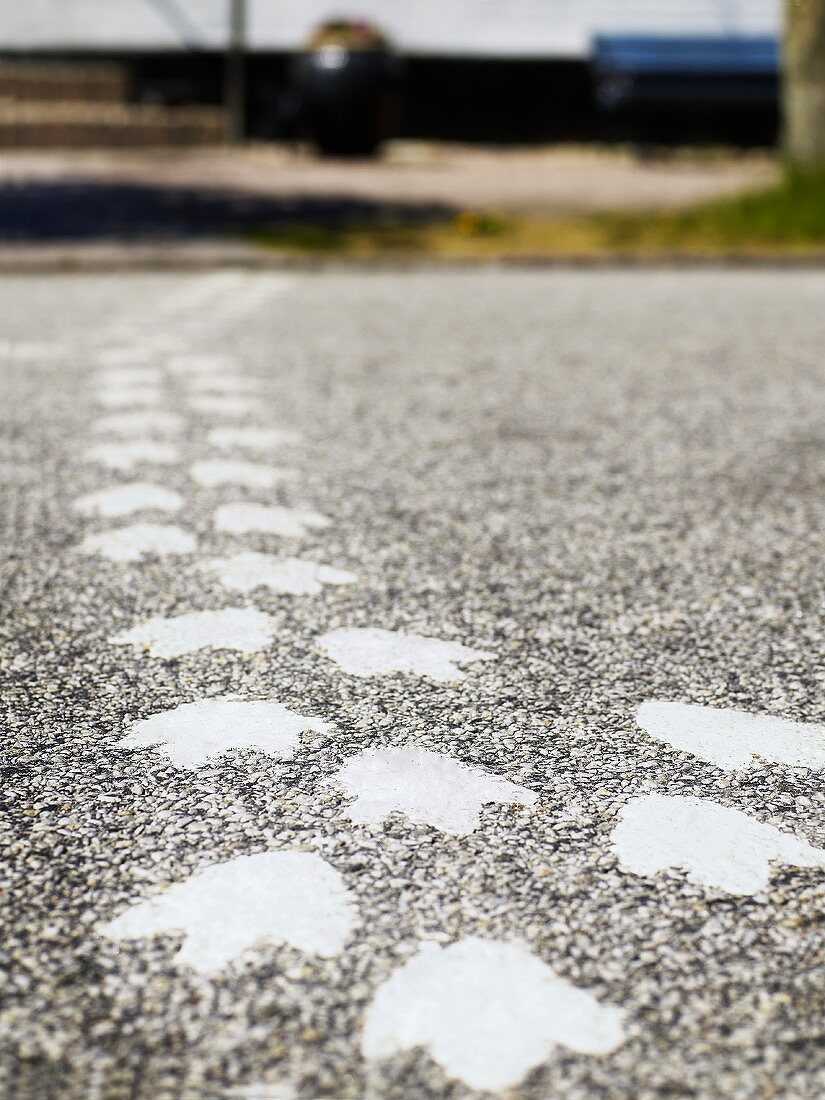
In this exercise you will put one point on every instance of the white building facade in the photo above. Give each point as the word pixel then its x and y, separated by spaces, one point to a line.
pixel 562 29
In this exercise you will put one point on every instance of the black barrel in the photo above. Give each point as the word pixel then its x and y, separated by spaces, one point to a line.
pixel 348 98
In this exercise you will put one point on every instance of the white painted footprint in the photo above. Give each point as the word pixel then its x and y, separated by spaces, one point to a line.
pixel 126 456
pixel 222 384
pixel 288 897
pixel 243 518
pixel 250 570
pixel 211 404
pixel 125 397
pixel 430 788
pixel 126 500
pixel 238 628
pixel 733 739
pixel 194 733
pixel 248 475
pixel 139 424
pixel 114 378
pixel 487 1012
pixel 374 652
pixel 192 365
pixel 139 540
pixel 123 355
pixel 252 439
pixel 717 846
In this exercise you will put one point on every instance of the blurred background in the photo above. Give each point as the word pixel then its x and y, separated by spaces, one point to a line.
pixel 315 124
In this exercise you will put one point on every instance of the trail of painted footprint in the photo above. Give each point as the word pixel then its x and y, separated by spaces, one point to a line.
pixel 127 456
pixel 374 652
pixel 139 424
pixel 129 499
pixel 194 733
pixel 139 540
pixel 733 739
pixel 487 1012
pixel 237 628
pixel 248 475
pixel 716 846
pixel 247 571
pixel 243 518
pixel 429 788
pixel 287 897
pixel 252 439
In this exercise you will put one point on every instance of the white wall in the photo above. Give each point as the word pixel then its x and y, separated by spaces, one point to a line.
pixel 527 28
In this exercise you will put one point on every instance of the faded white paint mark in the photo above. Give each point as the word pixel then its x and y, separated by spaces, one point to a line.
pixel 222 384
pixel 211 404
pixel 193 365
pixel 247 571
pixel 249 475
pixel 196 732
pixel 240 628
pixel 262 1090
pixel 428 787
pixel 487 1012
pixel 30 351
pixel 373 652
pixel 125 397
pixel 139 423
pixel 715 845
pixel 126 377
pixel 126 500
pixel 731 738
pixel 272 897
pixel 252 439
pixel 139 540
pixel 126 456
pixel 242 518
pixel 124 354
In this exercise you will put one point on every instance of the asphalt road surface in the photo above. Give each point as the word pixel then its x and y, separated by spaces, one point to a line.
pixel 412 685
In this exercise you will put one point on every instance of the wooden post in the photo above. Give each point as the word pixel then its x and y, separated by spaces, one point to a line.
pixel 804 83
pixel 235 72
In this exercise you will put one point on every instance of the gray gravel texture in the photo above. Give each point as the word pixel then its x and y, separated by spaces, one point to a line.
pixel 614 480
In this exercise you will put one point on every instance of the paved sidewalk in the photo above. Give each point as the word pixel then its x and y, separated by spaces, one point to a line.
pixel 412 686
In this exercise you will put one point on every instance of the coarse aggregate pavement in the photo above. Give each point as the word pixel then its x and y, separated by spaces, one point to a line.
pixel 608 487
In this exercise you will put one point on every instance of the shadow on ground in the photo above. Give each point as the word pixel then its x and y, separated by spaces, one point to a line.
pixel 79 210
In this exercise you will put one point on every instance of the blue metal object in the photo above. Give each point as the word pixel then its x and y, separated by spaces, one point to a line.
pixel 653 69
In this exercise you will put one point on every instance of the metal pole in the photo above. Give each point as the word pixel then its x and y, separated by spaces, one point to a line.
pixel 235 72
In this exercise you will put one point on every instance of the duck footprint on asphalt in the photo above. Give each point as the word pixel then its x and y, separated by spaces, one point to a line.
pixel 138 452
pixel 247 571
pixel 139 424
pixel 429 788
pixel 252 439
pixel 113 378
pixel 248 475
pixel 733 739
pixel 209 404
pixel 288 897
pixel 716 846
pixel 243 518
pixel 126 500
pixel 243 629
pixel 139 540
pixel 487 1012
pixel 125 397
pixel 374 652
pixel 193 733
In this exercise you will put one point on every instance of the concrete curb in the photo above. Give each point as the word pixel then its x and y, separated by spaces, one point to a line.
pixel 48 259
